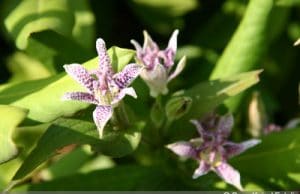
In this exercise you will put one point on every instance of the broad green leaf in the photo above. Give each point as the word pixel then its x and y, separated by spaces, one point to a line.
pixel 11 118
pixel 208 95
pixel 54 32
pixel 163 16
pixel 248 42
pixel 43 97
pixel 7 171
pixel 54 50
pixel 84 29
pixel 24 67
pixel 32 16
pixel 66 132
pixel 120 178
pixel 120 57
pixel 275 161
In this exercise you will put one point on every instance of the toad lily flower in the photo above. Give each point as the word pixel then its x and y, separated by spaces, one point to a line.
pixel 104 87
pixel 158 63
pixel 212 149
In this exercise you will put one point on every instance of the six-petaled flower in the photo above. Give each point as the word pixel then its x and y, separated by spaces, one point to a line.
pixel 104 87
pixel 212 149
pixel 158 63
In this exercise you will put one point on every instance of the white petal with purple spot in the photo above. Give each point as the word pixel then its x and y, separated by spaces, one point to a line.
pixel 229 175
pixel 81 75
pixel 80 96
pixel 101 115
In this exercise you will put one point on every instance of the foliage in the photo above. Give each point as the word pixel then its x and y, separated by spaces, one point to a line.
pixel 234 50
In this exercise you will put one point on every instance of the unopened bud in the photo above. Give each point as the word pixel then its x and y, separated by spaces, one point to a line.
pixel 256 115
pixel 177 107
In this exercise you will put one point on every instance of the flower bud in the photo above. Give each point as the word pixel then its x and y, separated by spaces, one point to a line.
pixel 177 107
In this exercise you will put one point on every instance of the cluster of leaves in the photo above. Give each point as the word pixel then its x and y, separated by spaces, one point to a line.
pixel 48 144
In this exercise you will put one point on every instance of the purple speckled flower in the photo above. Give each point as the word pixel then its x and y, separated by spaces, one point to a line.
pixel 158 63
pixel 104 87
pixel 212 149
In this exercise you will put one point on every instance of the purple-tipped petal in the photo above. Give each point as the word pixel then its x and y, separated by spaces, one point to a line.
pixel 202 132
pixel 127 75
pixel 183 148
pixel 201 170
pixel 224 126
pixel 172 45
pixel 101 116
pixel 104 60
pixel 137 47
pixel 126 91
pixel 148 42
pixel 180 66
pixel 233 149
pixel 80 96
pixel 81 75
pixel 229 175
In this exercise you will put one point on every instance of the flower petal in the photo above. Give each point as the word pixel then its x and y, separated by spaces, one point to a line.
pixel 80 96
pixel 101 116
pixel 233 149
pixel 201 170
pixel 138 48
pixel 200 129
pixel 224 126
pixel 156 79
pixel 127 75
pixel 172 45
pixel 148 42
pixel 126 91
pixel 180 66
pixel 81 75
pixel 183 148
pixel 229 175
pixel 104 60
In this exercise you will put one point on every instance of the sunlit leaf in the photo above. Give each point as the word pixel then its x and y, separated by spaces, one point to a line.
pixel 32 16
pixel 11 118
pixel 208 95
pixel 248 43
pixel 24 67
pixel 275 161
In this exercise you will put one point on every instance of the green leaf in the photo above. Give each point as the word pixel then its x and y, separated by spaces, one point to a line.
pixel 24 67
pixel 248 43
pixel 43 97
pixel 287 2
pixel 208 95
pixel 54 32
pixel 275 161
pixel 120 178
pixel 11 118
pixel 65 132
pixel 32 16
pixel 120 57
pixel 84 28
pixel 163 16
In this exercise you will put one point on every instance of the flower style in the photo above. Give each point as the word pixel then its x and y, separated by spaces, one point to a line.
pixel 158 63
pixel 212 149
pixel 104 87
